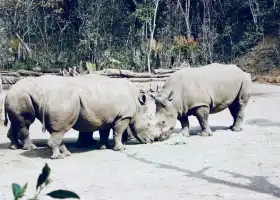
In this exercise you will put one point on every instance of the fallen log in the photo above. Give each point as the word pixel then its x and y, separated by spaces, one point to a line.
pixel 29 73
pixel 142 80
pixel 13 74
pixel 128 74
pixel 166 71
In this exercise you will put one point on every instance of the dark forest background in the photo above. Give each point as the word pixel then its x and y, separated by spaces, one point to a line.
pixel 134 34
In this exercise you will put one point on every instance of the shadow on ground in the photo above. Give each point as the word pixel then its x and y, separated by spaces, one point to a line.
pixel 262 122
pixel 43 151
pixel 258 184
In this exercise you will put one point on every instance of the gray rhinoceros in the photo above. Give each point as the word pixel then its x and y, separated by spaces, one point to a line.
pixel 23 103
pixel 88 105
pixel 202 91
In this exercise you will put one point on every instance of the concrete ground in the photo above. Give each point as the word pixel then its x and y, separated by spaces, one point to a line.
pixel 228 165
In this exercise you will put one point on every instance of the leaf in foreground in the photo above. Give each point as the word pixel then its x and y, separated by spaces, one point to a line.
pixel 63 194
pixel 16 190
pixel 43 177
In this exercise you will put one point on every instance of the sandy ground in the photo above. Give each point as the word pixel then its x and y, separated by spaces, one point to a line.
pixel 229 165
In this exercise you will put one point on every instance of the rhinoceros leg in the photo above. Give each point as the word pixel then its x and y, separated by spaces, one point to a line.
pixel 85 140
pixel 118 131
pixel 237 111
pixel 185 126
pixel 64 150
pixel 104 139
pixel 202 114
pixel 55 142
pixel 12 135
pixel 24 137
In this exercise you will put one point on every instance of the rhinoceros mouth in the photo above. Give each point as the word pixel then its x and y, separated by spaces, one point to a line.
pixel 165 135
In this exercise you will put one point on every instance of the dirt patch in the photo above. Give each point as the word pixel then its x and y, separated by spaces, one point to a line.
pixel 263 59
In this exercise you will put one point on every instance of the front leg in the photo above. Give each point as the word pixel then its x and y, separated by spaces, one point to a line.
pixel 185 126
pixel 85 140
pixel 202 114
pixel 119 128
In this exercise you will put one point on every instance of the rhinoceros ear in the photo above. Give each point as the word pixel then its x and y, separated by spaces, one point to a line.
pixel 142 98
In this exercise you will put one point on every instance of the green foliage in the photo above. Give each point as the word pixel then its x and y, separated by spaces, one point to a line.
pixel 113 33
pixel 42 182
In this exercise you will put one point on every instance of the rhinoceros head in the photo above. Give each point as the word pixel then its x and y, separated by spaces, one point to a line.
pixel 165 111
pixel 146 126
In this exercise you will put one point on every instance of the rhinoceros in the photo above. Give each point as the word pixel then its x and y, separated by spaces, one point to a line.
pixel 202 91
pixel 89 105
pixel 23 103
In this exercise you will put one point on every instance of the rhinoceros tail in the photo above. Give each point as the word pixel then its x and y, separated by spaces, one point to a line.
pixel 43 117
pixel 5 113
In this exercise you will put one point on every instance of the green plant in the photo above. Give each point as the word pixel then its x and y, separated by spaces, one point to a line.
pixel 42 182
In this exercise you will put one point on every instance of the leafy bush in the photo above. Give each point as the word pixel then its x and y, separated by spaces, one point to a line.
pixel 42 182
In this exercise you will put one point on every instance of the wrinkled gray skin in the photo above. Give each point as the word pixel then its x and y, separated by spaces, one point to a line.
pixel 202 91
pixel 88 105
pixel 23 103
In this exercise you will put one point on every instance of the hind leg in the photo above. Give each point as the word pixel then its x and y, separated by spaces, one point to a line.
pixel 237 111
pixel 12 135
pixel 24 137
pixel 55 142
pixel 104 139
pixel 85 140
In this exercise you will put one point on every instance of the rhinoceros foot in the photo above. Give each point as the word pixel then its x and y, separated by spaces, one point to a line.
pixel 105 146
pixel 65 151
pixel 206 133
pixel 184 133
pixel 30 146
pixel 236 128
pixel 119 147
pixel 14 146
pixel 58 156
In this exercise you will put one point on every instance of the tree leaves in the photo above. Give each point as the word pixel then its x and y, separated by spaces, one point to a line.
pixel 43 177
pixel 63 194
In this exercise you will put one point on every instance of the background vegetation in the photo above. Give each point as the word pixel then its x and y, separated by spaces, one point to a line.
pixel 132 34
